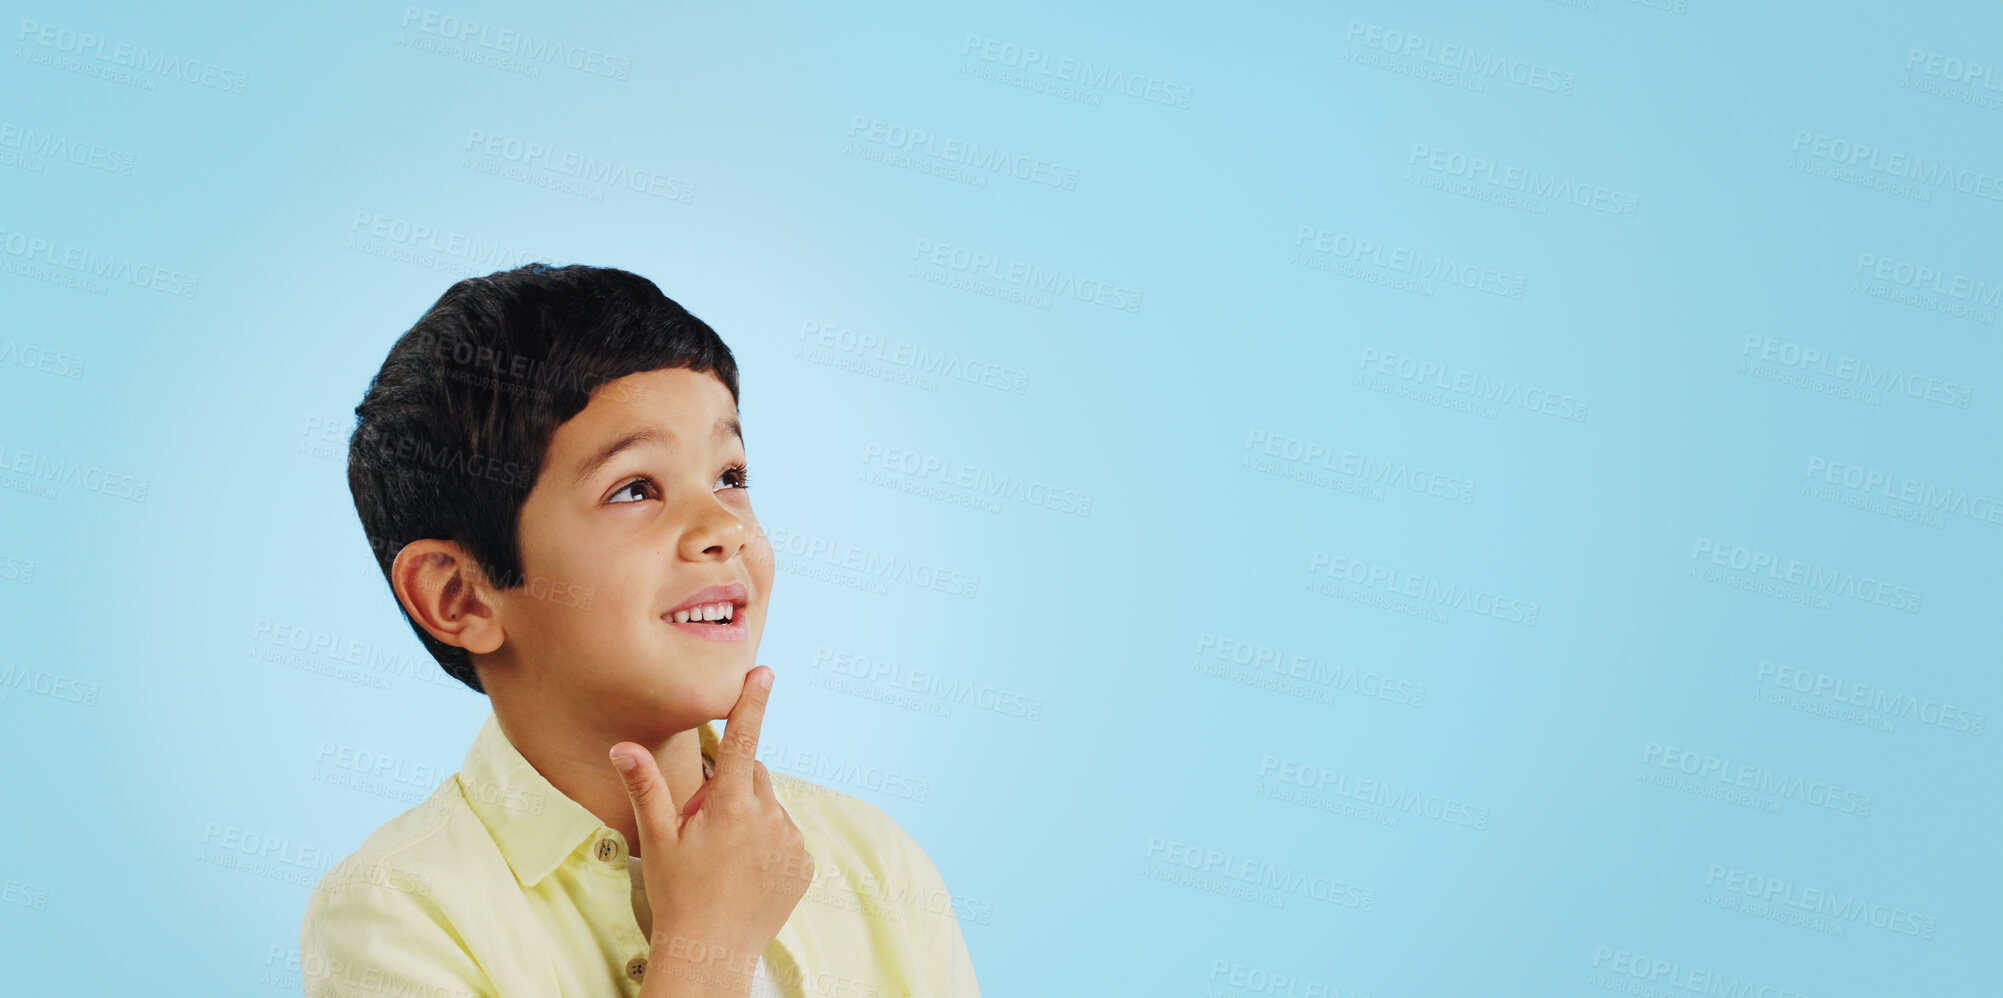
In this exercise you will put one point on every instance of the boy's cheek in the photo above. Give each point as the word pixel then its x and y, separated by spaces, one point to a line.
pixel 758 555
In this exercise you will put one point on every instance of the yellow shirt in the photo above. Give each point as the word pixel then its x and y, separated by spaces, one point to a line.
pixel 499 886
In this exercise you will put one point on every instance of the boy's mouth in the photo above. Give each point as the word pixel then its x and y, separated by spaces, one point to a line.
pixel 714 613
pixel 711 626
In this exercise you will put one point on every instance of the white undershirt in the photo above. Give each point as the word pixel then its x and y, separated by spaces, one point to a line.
pixel 761 983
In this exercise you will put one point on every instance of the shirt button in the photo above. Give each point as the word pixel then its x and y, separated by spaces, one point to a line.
pixel 607 848
pixel 636 968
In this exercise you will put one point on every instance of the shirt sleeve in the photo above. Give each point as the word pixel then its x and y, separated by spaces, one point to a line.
pixel 949 971
pixel 368 939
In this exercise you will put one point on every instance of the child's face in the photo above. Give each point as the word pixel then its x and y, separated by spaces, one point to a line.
pixel 640 531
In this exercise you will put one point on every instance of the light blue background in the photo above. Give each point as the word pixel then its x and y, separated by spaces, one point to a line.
pixel 231 404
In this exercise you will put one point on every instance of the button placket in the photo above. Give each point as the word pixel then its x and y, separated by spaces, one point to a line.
pixel 609 851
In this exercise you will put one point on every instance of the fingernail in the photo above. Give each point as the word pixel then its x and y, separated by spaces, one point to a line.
pixel 623 761
pixel 765 680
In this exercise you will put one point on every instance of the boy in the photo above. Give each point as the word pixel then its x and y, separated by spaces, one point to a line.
pixel 550 468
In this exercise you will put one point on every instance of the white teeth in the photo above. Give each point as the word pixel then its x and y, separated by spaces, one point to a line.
pixel 707 611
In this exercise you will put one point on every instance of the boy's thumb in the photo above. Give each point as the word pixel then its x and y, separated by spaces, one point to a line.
pixel 649 793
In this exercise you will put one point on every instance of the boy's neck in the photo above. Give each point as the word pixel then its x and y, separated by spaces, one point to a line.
pixel 574 755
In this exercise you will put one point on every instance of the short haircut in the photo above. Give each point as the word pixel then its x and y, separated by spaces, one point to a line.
pixel 452 432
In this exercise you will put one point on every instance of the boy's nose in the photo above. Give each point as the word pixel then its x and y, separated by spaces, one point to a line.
pixel 715 534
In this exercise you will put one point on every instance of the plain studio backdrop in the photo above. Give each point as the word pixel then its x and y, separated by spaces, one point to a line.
pixel 1300 499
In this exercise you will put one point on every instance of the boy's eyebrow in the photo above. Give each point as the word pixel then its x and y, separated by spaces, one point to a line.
pixel 650 435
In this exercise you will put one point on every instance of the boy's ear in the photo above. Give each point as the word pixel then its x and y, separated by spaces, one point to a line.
pixel 444 590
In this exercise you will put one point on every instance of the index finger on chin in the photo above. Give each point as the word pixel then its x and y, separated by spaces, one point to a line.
pixel 738 748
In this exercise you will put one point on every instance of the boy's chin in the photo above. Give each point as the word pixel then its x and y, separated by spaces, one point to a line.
pixel 725 693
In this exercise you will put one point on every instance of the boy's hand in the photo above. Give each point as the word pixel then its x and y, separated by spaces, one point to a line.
pixel 724 874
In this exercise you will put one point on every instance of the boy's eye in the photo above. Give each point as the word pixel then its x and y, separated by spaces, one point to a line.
pixel 736 476
pixel 639 488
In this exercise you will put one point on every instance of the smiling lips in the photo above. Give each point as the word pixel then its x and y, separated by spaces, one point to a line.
pixel 713 613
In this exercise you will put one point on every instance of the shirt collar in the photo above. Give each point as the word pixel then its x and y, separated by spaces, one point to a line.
pixel 536 825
